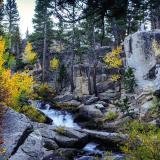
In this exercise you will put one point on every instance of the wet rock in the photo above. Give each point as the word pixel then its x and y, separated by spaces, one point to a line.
pixel 71 138
pixel 49 144
pixel 86 158
pixel 67 153
pixel 112 139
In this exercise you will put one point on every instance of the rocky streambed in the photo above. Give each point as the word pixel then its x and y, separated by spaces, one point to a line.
pixel 63 140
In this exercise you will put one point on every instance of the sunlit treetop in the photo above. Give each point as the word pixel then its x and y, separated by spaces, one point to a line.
pixel 29 55
pixel 54 64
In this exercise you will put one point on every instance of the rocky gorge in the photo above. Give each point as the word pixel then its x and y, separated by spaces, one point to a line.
pixel 81 131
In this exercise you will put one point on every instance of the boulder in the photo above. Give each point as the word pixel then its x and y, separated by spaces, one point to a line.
pixel 84 98
pixel 31 149
pixel 71 103
pixel 64 141
pixel 99 106
pixel 106 85
pixel 71 138
pixel 64 98
pixel 49 144
pixel 91 100
pixel 143 57
pixel 116 125
pixel 109 95
pixel 16 128
pixel 111 139
pixel 67 153
pixel 90 111
pixel 103 103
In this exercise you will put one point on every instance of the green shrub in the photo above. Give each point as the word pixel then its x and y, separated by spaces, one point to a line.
pixel 110 116
pixel 124 106
pixel 44 92
pixel 33 113
pixel 143 142
pixel 156 104
pixel 129 80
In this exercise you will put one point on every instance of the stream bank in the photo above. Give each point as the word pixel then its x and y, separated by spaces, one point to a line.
pixel 48 141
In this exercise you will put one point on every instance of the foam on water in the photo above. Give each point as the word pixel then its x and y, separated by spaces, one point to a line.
pixel 60 118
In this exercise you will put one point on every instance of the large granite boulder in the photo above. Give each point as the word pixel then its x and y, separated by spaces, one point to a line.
pixel 142 54
pixel 16 128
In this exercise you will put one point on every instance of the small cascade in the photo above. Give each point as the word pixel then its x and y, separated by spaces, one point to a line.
pixel 60 118
pixel 92 148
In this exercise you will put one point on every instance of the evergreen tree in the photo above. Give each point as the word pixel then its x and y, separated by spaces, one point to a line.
pixel 11 19
pixel 16 42
pixel 43 33
pixel 11 14
pixel 1 17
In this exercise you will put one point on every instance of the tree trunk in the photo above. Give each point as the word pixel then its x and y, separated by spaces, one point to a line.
pixel 73 54
pixel 95 79
pixel 44 52
pixel 89 76
pixel 103 31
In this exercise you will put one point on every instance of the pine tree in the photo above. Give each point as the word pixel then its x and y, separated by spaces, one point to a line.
pixel 16 42
pixel 1 17
pixel 12 15
pixel 43 33
pixel 11 19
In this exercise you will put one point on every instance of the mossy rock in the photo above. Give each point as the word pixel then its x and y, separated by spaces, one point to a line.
pixel 35 115
pixel 65 106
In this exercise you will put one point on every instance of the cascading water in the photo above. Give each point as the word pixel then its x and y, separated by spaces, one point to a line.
pixel 60 118
pixel 65 119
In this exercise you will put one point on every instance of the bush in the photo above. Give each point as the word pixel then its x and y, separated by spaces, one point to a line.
pixel 33 114
pixel 124 106
pixel 143 142
pixel 44 92
pixel 129 80
pixel 156 104
pixel 110 116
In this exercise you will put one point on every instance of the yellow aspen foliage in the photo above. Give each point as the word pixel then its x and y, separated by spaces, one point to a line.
pixel 12 86
pixel 54 64
pixel 29 55
pixel 112 59
pixel 115 77
pixel 2 49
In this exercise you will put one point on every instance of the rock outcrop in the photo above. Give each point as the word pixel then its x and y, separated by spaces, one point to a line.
pixel 143 56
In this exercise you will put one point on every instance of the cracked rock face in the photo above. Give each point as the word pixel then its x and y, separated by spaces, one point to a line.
pixel 142 57
pixel 16 128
